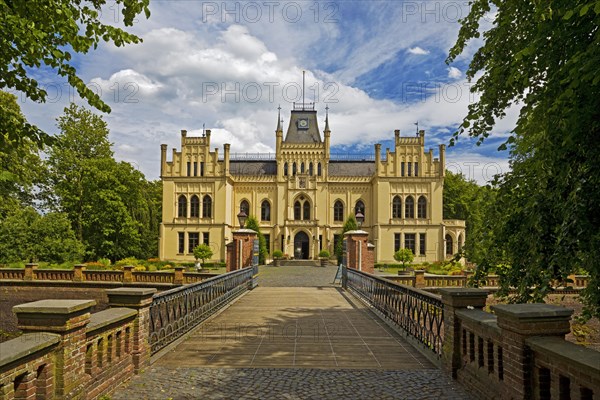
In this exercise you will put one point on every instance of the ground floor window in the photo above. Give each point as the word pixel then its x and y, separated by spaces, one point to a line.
pixel 422 244
pixel 409 242
pixel 206 238
pixel 396 242
pixel 181 246
pixel 193 241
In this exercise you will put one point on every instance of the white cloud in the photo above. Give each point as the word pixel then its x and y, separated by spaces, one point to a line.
pixel 454 73
pixel 418 51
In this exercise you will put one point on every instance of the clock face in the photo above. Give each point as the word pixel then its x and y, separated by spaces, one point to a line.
pixel 302 123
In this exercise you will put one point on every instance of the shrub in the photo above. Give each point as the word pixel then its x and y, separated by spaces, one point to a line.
pixel 277 254
pixel 128 261
pixel 202 252
pixel 94 265
pixel 324 254
pixel 104 261
pixel 404 256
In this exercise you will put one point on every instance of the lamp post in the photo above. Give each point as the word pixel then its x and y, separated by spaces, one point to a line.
pixel 360 218
pixel 242 216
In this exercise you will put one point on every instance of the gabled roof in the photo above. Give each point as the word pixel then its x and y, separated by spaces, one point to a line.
pixel 296 135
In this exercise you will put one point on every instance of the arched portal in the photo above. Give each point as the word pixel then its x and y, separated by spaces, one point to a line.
pixel 301 246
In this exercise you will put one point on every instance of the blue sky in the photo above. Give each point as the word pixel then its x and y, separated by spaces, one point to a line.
pixel 378 65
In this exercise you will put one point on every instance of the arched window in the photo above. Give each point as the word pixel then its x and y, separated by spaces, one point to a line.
pixel 409 207
pixel 397 207
pixel 319 169
pixel 338 211
pixel 306 210
pixel 294 169
pixel 302 167
pixel 182 206
pixel 448 245
pixel 285 169
pixel 310 169
pixel 245 206
pixel 265 211
pixel 422 207
pixel 194 207
pixel 206 207
pixel 297 210
pixel 360 206
pixel 460 242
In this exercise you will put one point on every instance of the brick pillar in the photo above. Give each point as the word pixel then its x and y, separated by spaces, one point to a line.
pixel 69 319
pixel 246 238
pixel 30 271
pixel 178 278
pixel 419 278
pixel 139 299
pixel 455 299
pixel 128 273
pixel 358 249
pixel 519 322
pixel 78 273
pixel 230 257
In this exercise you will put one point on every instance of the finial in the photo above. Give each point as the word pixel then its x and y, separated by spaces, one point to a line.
pixel 327 119
pixel 417 124
pixel 278 118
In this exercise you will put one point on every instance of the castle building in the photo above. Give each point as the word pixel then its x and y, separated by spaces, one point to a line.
pixel 302 196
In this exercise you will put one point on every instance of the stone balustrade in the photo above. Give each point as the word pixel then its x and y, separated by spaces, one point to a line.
pixel 66 352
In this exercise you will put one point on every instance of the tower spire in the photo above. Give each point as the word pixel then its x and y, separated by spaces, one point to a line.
pixel 327 119
pixel 278 119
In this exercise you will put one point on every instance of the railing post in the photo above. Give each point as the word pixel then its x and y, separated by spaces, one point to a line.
pixel 453 300
pixel 139 299
pixel 419 278
pixel 344 277
pixel 69 319
pixel 178 278
pixel 128 273
pixel 519 322
pixel 30 271
pixel 78 273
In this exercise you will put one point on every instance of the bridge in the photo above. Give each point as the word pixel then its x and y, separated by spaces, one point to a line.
pixel 288 332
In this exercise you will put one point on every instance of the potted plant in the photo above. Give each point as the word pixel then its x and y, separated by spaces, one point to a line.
pixel 324 256
pixel 202 252
pixel 277 255
pixel 404 256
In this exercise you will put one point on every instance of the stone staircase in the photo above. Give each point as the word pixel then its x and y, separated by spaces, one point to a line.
pixel 300 263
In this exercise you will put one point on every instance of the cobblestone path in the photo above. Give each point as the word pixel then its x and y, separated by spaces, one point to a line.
pixel 296 336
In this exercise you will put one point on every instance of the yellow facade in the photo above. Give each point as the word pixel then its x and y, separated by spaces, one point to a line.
pixel 302 196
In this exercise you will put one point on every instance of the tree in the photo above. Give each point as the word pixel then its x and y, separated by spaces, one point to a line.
pixel 544 56
pixel 404 256
pixel 349 225
pixel 51 32
pixel 202 252
pixel 252 223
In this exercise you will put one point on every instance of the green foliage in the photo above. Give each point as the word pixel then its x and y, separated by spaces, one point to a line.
pixel 252 223
pixel 203 252
pixel 404 256
pixel 127 261
pixel 349 225
pixel 324 254
pixel 277 254
pixel 545 223
pixel 50 32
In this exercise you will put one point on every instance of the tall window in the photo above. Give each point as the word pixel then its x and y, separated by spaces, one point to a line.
pixel 294 169
pixel 409 207
pixel 182 206
pixel 397 207
pixel 409 168
pixel 449 245
pixel 306 211
pixel 338 211
pixel 285 169
pixel 297 210
pixel 422 207
pixel 409 242
pixel 310 169
pixel 189 168
pixel 319 169
pixel 206 207
pixel 206 238
pixel 268 243
pixel 245 206
pixel 265 211
pixel 193 241
pixel 416 169
pixel 195 168
pixel 422 244
pixel 402 168
pixel 201 168
pixel 181 242
pixel 360 206
pixel 397 238
pixel 302 167
pixel 194 207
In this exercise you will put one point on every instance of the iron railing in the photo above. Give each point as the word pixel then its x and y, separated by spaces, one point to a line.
pixel 175 312
pixel 419 313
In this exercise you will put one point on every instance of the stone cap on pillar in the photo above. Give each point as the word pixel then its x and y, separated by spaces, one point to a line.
pixel 534 318
pixel 130 297
pixel 53 315
pixel 245 231
pixel 356 232
pixel 463 297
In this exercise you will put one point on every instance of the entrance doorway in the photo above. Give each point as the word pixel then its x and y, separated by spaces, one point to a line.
pixel 301 246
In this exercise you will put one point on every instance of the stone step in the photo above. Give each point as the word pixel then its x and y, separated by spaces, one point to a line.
pixel 307 263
